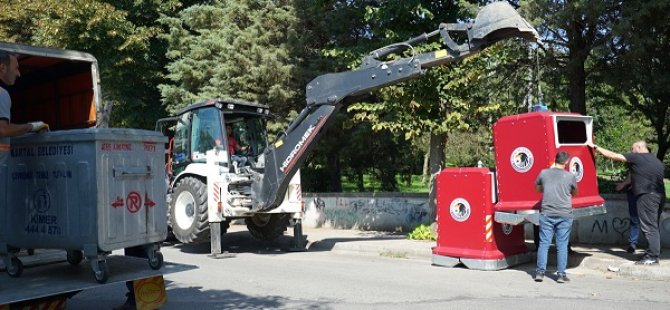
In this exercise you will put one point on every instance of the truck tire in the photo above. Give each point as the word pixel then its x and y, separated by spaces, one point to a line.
pixel 188 211
pixel 267 226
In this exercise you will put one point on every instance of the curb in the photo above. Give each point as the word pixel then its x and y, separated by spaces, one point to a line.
pixel 627 269
pixel 421 252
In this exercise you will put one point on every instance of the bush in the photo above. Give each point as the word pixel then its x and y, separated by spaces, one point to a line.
pixel 422 232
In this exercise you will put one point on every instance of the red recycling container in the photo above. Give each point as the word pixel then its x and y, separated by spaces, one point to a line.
pixel 527 143
pixel 466 231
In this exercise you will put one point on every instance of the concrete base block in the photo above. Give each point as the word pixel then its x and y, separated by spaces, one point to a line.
pixel 445 261
pixel 482 264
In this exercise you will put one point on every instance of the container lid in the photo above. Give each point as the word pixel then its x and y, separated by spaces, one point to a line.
pixel 92 134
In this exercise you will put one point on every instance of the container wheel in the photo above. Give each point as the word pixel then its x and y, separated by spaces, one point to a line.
pixel 74 257
pixel 102 274
pixel 16 268
pixel 188 211
pixel 157 262
pixel 267 226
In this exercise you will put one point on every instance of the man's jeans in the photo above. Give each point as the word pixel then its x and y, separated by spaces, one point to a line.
pixel 549 225
pixel 634 232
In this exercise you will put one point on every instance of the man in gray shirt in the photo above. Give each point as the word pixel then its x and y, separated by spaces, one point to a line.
pixel 9 71
pixel 557 186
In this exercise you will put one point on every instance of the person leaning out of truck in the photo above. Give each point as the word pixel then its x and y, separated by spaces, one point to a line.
pixel 9 71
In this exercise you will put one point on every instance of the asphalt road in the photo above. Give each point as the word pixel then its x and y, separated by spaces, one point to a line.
pixel 257 275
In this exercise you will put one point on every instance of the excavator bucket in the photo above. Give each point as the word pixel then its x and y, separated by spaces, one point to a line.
pixel 498 21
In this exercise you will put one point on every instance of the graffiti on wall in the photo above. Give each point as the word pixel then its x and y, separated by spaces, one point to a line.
pixel 372 213
pixel 411 211
pixel 618 225
pixel 616 230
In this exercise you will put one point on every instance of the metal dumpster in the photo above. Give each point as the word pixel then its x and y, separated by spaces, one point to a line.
pixel 86 191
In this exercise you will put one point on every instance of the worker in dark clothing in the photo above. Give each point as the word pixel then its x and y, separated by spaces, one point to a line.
pixel 634 231
pixel 646 173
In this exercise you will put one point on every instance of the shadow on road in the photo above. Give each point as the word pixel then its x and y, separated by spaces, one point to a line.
pixel 238 242
pixel 227 299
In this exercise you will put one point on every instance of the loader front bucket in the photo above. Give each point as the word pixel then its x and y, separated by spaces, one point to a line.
pixel 498 21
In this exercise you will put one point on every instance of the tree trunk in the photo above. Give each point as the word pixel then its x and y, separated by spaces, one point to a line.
pixel 360 182
pixel 334 172
pixel 425 176
pixel 577 76
pixel 104 115
pixel 579 51
pixel 437 144
pixel 661 134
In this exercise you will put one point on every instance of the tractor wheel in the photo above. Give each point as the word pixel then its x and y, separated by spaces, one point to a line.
pixel 267 226
pixel 188 212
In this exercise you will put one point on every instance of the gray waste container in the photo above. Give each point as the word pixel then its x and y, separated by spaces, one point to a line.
pixel 86 191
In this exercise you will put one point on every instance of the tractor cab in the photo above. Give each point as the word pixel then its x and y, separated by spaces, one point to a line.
pixel 230 132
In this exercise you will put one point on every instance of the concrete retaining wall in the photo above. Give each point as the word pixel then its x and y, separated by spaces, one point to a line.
pixel 367 211
pixel 613 227
pixel 402 212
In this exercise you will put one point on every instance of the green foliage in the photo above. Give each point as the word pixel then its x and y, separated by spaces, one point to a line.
pixel 422 232
pixel 122 35
pixel 616 129
pixel 241 49
pixel 388 160
pixel 406 184
pixel 641 68
pixel 393 254
pixel 576 34
pixel 610 55
pixel 467 148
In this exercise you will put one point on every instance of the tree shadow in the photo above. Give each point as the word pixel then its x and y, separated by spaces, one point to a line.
pixel 196 297
pixel 233 243
pixel 327 244
pixel 227 299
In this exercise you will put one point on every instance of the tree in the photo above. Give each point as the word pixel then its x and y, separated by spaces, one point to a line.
pixel 573 30
pixel 122 35
pixel 417 107
pixel 240 49
pixel 642 64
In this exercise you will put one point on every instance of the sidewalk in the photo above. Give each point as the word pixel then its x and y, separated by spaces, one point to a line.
pixel 606 259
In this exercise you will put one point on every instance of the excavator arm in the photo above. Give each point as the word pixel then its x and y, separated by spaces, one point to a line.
pixel 327 93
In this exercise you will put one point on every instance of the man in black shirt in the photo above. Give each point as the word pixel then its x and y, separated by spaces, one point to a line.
pixel 646 173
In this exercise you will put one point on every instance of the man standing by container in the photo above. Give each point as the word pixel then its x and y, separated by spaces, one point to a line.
pixel 634 231
pixel 646 172
pixel 9 71
pixel 557 186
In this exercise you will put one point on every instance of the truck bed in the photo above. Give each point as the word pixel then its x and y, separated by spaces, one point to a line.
pixel 47 273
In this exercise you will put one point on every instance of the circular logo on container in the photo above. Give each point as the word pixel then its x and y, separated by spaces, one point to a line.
pixel 507 229
pixel 577 168
pixel 42 201
pixel 460 209
pixel 522 159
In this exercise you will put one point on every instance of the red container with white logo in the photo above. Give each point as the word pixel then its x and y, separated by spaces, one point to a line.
pixel 466 231
pixel 527 143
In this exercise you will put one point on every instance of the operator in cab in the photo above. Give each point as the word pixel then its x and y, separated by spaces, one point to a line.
pixel 234 147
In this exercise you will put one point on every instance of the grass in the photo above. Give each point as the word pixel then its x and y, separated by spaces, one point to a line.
pixel 607 185
pixel 393 254
pixel 372 185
